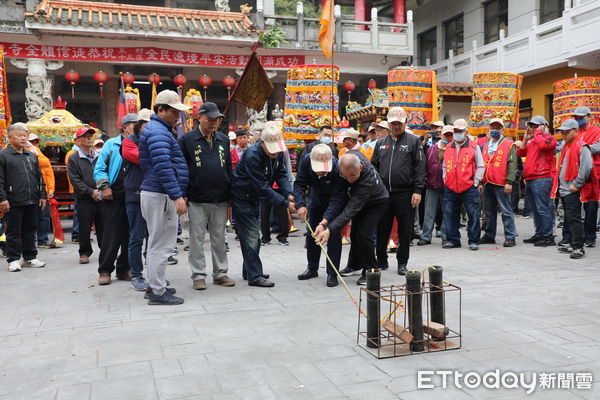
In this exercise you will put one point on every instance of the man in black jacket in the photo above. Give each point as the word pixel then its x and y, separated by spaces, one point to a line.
pixel 261 165
pixel 319 172
pixel 325 137
pixel 209 162
pixel 400 161
pixel 368 197
pixel 22 190
pixel 81 174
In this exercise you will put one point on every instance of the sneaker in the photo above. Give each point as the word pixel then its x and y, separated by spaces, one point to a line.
pixel 44 245
pixel 532 239
pixel 544 242
pixel 265 242
pixel 284 242
pixel 14 266
pixel 172 260
pixel 199 284
pixel 35 263
pixel 138 283
pixel 473 246
pixel 166 299
pixel 104 279
pixel 509 243
pixel 565 250
pixel 179 240
pixel 487 240
pixel 579 253
pixel 590 243
pixel 362 281
pixel 186 248
pixel 175 252
pixel 349 271
pixel 261 282
pixel 449 245
pixel 224 281
pixel 148 292
pixel 423 242
pixel 564 243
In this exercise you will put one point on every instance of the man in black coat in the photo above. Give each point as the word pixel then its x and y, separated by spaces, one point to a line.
pixel 367 197
pixel 319 172
pixel 22 191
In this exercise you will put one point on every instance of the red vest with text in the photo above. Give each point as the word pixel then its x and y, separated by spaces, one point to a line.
pixel 591 135
pixel 589 191
pixel 461 167
pixel 496 165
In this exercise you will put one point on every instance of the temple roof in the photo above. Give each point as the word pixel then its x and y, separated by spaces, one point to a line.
pixel 140 18
pixel 455 88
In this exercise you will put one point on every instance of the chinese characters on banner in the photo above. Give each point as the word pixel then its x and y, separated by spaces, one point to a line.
pixel 144 54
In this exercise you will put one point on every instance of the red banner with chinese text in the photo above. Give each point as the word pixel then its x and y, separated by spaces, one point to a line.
pixel 144 54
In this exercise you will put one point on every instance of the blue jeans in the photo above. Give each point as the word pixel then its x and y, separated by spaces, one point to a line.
pixel 452 204
pixel 137 232
pixel 43 223
pixel 538 193
pixel 433 199
pixel 495 197
pixel 247 216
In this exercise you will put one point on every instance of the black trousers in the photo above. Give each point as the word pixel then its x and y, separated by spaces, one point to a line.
pixel 90 213
pixel 115 236
pixel 313 251
pixel 572 207
pixel 399 206
pixel 265 220
pixel 21 230
pixel 362 247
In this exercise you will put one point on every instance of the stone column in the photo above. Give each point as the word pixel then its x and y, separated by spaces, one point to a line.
pixel 38 94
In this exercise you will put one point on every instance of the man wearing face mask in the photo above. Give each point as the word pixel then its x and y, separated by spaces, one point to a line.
pixel 500 157
pixel 325 137
pixel 434 182
pixel 400 161
pixel 590 134
pixel 463 172
pixel 433 136
pixel 540 164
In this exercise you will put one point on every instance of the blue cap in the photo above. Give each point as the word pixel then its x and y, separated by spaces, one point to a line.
pixel 582 111
pixel 538 120
pixel 568 124
pixel 129 118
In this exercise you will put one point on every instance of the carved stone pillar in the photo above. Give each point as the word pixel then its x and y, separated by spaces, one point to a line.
pixel 222 5
pixel 38 94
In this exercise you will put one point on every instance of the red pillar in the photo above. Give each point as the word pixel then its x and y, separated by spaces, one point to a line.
pixel 359 12
pixel 399 11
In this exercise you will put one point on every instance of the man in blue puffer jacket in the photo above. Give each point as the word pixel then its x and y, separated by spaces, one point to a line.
pixel 163 191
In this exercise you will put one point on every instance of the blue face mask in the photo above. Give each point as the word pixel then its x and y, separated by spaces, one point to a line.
pixel 458 137
pixel 445 141
pixel 495 134
pixel 581 122
pixel 325 140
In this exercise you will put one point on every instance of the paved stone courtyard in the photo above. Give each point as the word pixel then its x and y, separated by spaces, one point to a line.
pixel 64 337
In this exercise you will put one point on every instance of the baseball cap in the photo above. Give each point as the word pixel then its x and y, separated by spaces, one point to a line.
pixel 211 110
pixel 144 114
pixel 170 98
pixel 396 114
pixel 273 139
pixel 129 118
pixel 82 131
pixel 497 121
pixel 350 133
pixel 33 136
pixel 538 120
pixel 582 111
pixel 383 124
pixel 447 129
pixel 321 158
pixel 372 127
pixel 231 135
pixel 460 124
pixel 438 123
pixel 241 132
pixel 568 124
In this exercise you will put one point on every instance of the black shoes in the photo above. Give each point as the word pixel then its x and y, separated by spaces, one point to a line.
pixel 309 273
pixel 532 239
pixel 423 242
pixel 402 269
pixel 261 282
pixel 544 242
pixel 168 290
pixel 579 253
pixel 487 240
pixel 265 242
pixel 266 276
pixel 509 243
pixel 383 265
pixel 332 281
pixel 362 281
pixel 349 271
pixel 564 243
pixel 449 245
pixel 284 242
pixel 565 250
pixel 590 243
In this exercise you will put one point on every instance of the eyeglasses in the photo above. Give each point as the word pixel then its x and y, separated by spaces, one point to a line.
pixel 353 176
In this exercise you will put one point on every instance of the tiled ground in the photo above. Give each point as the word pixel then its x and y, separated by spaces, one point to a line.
pixel 64 337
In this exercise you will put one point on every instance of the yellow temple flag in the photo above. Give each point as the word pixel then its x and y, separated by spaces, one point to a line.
pixel 327 30
pixel 153 96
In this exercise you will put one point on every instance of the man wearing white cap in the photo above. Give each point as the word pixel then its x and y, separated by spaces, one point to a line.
pixel 500 158
pixel 319 175
pixel 382 129
pixel 463 172
pixel 349 141
pixel 400 161
pixel 261 166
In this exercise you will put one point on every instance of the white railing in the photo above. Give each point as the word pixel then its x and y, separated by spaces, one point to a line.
pixel 556 42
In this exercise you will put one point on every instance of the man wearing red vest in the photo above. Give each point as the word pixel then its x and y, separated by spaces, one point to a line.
pixel 463 171
pixel 538 147
pixel 500 158
pixel 576 182
pixel 590 134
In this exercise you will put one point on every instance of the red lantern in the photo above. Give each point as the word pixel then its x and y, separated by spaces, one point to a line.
pixel 72 77
pixel 205 81
pixel 154 78
pixel 101 77
pixel 228 82
pixel 179 80
pixel 349 87
pixel 372 84
pixel 128 78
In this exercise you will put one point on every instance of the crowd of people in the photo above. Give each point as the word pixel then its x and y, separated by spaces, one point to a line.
pixel 381 189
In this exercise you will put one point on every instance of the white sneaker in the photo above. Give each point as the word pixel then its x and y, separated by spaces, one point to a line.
pixel 35 263
pixel 14 266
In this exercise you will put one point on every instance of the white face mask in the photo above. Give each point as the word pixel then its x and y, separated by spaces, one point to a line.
pixel 458 136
